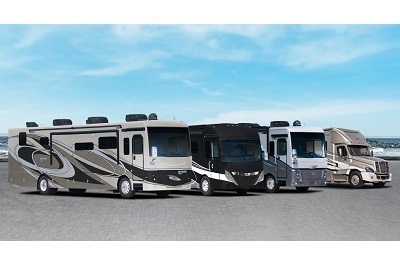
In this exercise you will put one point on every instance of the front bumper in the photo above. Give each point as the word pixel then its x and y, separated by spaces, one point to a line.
pixel 376 177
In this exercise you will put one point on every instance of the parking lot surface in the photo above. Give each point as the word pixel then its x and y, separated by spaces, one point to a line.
pixel 336 212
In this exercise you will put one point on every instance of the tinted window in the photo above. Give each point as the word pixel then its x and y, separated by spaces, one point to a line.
pixel 22 138
pixel 84 146
pixel 137 144
pixel 195 146
pixel 241 151
pixel 271 150
pixel 44 141
pixel 169 142
pixel 308 145
pixel 108 143
pixel 126 146
pixel 281 147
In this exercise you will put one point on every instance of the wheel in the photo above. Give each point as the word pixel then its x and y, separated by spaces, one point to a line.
pixel 380 184
pixel 205 186
pixel 44 187
pixel 302 189
pixel 271 185
pixel 163 193
pixel 125 188
pixel 355 179
pixel 77 190
pixel 242 191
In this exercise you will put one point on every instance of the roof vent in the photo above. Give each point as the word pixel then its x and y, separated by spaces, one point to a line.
pixel 297 123
pixel 279 124
pixel 62 122
pixel 96 120
pixel 135 117
pixel 152 116
pixel 31 124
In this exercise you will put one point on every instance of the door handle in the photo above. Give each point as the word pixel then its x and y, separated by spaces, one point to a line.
pixel 134 157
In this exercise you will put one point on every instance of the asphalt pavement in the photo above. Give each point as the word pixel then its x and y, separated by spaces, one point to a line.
pixel 336 212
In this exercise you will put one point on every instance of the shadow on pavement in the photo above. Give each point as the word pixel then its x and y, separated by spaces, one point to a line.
pixel 139 195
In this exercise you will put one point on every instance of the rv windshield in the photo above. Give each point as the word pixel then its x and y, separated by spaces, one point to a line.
pixel 241 151
pixel 308 145
pixel 356 150
pixel 168 142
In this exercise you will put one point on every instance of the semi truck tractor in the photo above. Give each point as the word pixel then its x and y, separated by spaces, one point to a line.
pixel 350 159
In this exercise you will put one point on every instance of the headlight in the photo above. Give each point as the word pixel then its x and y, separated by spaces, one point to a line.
pixel 369 170
pixel 230 178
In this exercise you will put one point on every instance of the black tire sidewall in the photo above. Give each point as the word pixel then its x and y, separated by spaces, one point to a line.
pixel 360 183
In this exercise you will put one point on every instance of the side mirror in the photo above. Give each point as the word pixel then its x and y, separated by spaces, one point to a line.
pixel 340 151
pixel 372 153
pixel 294 153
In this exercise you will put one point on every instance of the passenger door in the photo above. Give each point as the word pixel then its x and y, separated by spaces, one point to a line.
pixel 212 155
pixel 281 155
pixel 137 156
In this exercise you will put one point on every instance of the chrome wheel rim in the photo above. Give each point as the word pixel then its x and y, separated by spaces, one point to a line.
pixel 125 187
pixel 355 180
pixel 205 186
pixel 270 183
pixel 43 185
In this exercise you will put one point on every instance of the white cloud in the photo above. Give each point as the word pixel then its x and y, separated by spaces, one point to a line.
pixel 320 46
pixel 297 112
pixel 33 35
pixel 211 92
pixel 131 63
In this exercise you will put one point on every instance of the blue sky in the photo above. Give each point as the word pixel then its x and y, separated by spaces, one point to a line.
pixel 323 75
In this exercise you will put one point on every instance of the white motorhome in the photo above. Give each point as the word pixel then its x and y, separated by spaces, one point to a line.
pixel 294 155
pixel 137 155
pixel 350 159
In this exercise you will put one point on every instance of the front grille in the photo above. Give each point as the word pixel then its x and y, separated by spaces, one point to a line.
pixel 382 167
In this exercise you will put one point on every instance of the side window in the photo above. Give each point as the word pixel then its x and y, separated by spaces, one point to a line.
pixel 341 151
pixel 271 150
pixel 195 146
pixel 108 143
pixel 214 149
pixel 208 149
pixel 84 146
pixel 137 144
pixel 211 149
pixel 126 146
pixel 22 138
pixel 44 141
pixel 281 147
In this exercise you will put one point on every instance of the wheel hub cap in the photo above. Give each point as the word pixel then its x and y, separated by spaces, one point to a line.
pixel 205 185
pixel 43 185
pixel 355 180
pixel 270 183
pixel 125 187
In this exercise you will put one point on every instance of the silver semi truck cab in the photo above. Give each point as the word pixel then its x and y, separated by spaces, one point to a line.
pixel 351 161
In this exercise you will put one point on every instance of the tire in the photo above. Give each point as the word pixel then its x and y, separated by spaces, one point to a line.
pixel 125 188
pixel 44 187
pixel 271 186
pixel 302 189
pixel 379 185
pixel 163 193
pixel 355 179
pixel 77 191
pixel 242 191
pixel 205 186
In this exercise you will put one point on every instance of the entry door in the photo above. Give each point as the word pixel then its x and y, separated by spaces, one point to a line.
pixel 137 156
pixel 212 155
pixel 281 155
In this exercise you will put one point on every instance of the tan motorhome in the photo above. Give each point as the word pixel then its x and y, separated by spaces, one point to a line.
pixel 351 161
pixel 137 155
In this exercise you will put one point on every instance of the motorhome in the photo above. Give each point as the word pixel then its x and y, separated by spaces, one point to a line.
pixel 140 154
pixel 225 156
pixel 294 156
pixel 350 159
